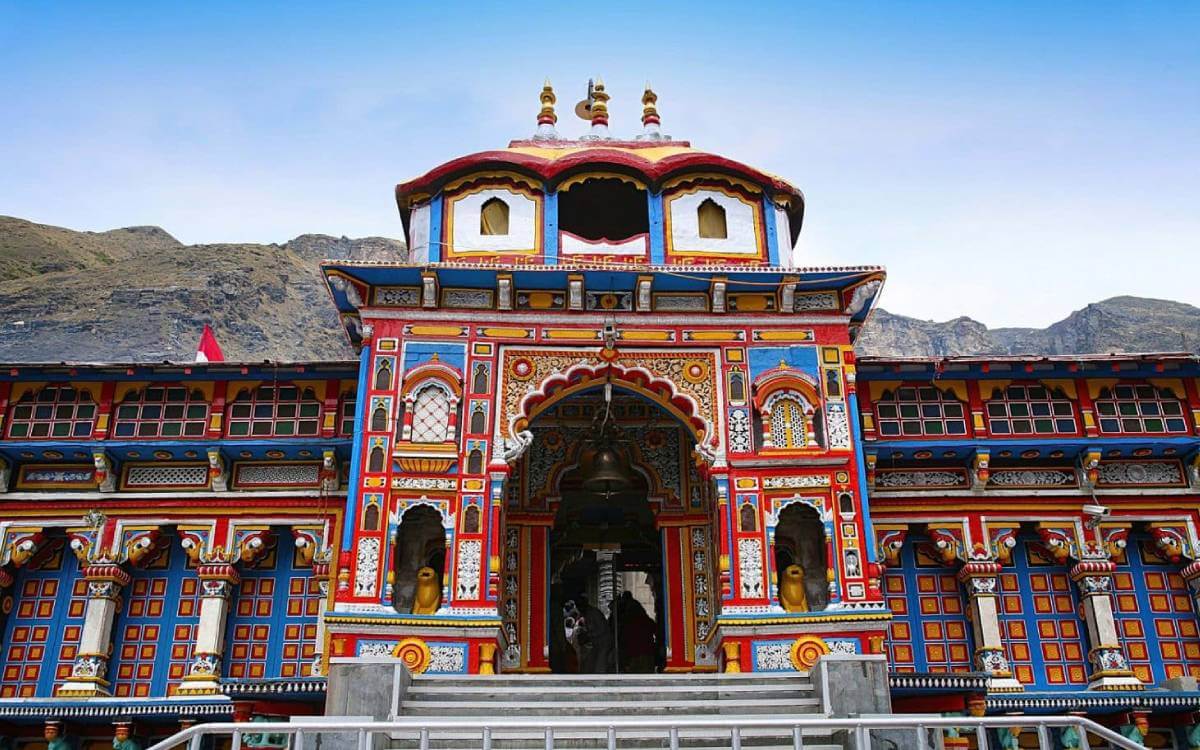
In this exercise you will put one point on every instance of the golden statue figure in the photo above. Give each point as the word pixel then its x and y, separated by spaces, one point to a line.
pixel 429 592
pixel 792 595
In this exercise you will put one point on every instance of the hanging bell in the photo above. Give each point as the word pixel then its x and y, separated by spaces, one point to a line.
pixel 607 472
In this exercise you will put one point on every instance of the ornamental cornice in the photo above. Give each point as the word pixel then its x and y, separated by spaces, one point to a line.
pixel 631 320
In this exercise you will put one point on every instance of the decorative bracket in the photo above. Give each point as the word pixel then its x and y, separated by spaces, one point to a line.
pixel 1089 466
pixel 979 468
pixel 218 470
pixel 106 479
pixel 330 475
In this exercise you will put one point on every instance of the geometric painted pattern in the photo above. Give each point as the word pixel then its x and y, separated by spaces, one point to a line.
pixel 274 611
pixel 145 645
pixel 1154 615
pixel 929 631
pixel 1039 623
pixel 41 637
pixel 185 627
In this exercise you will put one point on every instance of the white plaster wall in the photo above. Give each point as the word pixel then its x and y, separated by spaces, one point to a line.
pixel 569 244
pixel 739 225
pixel 418 234
pixel 522 223
pixel 783 233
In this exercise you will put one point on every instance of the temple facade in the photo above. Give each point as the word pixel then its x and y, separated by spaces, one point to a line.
pixel 600 390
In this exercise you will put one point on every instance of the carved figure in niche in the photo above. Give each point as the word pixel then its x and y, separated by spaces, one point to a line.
pixel 420 543
pixel 792 595
pixel 429 592
pixel 800 544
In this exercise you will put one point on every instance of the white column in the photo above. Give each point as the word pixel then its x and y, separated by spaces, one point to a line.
pixel 1111 667
pixel 980 580
pixel 87 679
pixel 216 589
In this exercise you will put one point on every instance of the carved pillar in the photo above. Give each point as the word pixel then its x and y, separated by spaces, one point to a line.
pixel 87 679
pixel 216 589
pixel 980 580
pixel 1110 666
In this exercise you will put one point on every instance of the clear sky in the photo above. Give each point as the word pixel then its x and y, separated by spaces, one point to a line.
pixel 1011 161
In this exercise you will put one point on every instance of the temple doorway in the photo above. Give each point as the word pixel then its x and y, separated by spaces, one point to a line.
pixel 606 602
pixel 609 534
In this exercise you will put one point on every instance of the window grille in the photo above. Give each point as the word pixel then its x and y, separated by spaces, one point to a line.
pixel 431 415
pixel 1140 409
pixel 275 411
pixel 1030 410
pixel 159 411
pixel 54 412
pixel 920 412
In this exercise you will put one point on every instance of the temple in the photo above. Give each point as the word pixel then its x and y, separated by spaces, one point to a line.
pixel 601 389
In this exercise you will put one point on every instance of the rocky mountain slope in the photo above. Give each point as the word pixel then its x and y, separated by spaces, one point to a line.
pixel 1119 324
pixel 139 295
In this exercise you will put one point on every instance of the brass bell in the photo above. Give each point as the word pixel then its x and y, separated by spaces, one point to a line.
pixel 607 472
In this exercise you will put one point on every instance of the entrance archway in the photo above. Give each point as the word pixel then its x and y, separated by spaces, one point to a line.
pixel 639 556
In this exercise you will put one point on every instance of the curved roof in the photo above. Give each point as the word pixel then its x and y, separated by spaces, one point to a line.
pixel 554 161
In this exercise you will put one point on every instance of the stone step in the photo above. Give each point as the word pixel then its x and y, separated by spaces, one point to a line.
pixel 631 693
pixel 568 680
pixel 567 705
pixel 692 739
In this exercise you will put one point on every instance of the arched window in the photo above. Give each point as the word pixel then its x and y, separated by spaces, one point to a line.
pixel 711 220
pixel 275 411
pixel 481 379
pixel 379 420
pixel 471 520
pixel 1030 410
pixel 162 412
pixel 493 217
pixel 376 462
pixel 748 518
pixel 788 426
pixel 371 518
pixel 478 420
pixel 431 414
pixel 56 411
pixel 920 412
pixel 1140 409
pixel 475 462
pixel 737 387
pixel 383 376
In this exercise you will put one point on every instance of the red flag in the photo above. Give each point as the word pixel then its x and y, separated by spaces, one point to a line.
pixel 209 350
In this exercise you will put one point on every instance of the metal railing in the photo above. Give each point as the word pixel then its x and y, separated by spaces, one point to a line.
pixel 858 731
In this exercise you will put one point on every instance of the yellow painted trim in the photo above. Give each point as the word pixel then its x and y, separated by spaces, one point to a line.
pixel 434 330
pixel 528 182
pixel 583 177
pixel 785 334
pixel 448 226
pixel 717 336
pixel 647 335
pixel 792 620
pixel 570 334
pixel 506 333
pixel 711 176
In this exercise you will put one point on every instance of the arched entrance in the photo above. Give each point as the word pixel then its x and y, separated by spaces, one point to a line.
pixel 633 561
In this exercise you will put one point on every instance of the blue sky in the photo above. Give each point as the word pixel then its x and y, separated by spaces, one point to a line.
pixel 1008 161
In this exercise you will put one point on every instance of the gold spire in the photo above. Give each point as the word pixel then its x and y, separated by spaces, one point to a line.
pixel 599 105
pixel 547 115
pixel 649 110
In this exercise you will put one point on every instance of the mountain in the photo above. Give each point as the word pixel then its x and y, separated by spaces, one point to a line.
pixel 139 295
pixel 1119 324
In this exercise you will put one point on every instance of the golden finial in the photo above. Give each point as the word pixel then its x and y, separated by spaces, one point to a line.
pixel 547 116
pixel 599 105
pixel 649 111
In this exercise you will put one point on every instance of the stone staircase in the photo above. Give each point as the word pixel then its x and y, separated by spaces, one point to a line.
pixel 530 697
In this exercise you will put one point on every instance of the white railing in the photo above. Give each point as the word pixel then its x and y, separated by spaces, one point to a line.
pixel 362 734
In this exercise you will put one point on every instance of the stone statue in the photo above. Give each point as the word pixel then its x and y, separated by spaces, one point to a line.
pixel 122 739
pixel 429 592
pixel 792 595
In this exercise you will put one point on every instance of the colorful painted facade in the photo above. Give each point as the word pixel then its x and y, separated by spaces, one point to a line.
pixel 195 542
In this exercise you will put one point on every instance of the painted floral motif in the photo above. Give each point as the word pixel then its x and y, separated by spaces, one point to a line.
pixel 1129 472
pixel 787 483
pixel 467 571
pixel 920 479
pixel 837 427
pixel 447 659
pixel 367 568
pixel 1032 478
pixel 773 657
pixel 750 570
